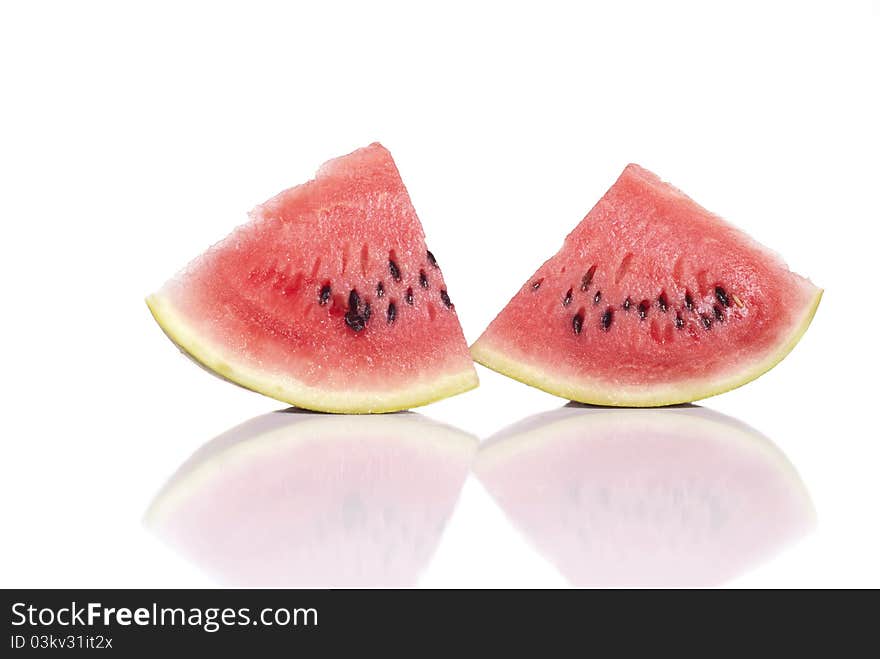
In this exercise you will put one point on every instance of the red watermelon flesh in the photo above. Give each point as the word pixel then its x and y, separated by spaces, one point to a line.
pixel 679 497
pixel 327 299
pixel 306 500
pixel 652 300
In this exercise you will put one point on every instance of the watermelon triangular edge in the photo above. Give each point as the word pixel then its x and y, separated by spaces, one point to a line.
pixel 327 299
pixel 651 301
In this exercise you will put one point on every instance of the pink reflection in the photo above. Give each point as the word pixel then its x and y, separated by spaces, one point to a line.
pixel 663 497
pixel 309 500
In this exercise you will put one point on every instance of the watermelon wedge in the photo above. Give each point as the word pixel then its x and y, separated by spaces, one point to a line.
pixel 652 300
pixel 328 299
pixel 308 500
pixel 678 497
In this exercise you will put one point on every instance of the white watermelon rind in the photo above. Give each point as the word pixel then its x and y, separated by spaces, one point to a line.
pixel 601 392
pixel 431 388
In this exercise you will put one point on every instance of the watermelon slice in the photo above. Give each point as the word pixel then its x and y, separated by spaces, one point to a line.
pixel 681 497
pixel 652 300
pixel 327 299
pixel 308 500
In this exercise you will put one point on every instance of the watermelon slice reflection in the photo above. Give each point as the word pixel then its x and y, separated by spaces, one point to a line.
pixel 657 497
pixel 309 500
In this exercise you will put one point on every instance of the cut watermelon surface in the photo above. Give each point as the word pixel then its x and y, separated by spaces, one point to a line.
pixel 652 300
pixel 327 299
pixel 679 497
pixel 297 499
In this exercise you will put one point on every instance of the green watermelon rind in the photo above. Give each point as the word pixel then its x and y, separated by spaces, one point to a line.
pixel 431 388
pixel 673 393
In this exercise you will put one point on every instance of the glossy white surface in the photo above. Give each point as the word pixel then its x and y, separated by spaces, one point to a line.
pixel 132 139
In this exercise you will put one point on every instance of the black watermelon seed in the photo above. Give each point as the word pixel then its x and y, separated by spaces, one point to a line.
pixel 355 321
pixel 395 271
pixel 324 295
pixel 588 278
pixel 679 321
pixel 354 301
pixel 567 299
pixel 577 323
pixel 367 312
pixel 719 315
pixel 392 312
pixel 380 290
pixel 597 298
pixel 689 301
pixel 445 297
pixel 537 284
pixel 431 259
pixel 662 302
pixel 707 322
pixel 408 298
pixel 423 279
pixel 627 303
pixel 607 319
pixel 721 295
pixel 644 305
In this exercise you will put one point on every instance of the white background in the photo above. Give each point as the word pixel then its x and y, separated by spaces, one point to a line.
pixel 132 138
